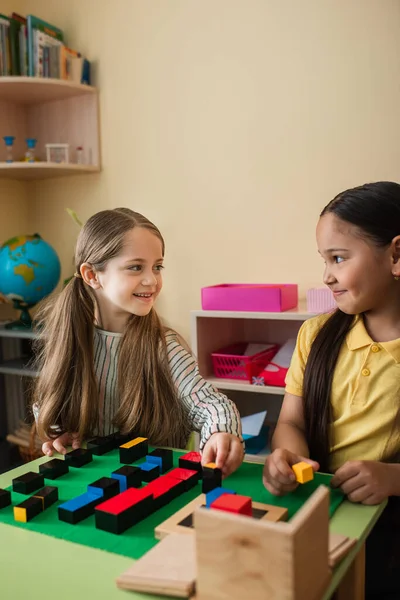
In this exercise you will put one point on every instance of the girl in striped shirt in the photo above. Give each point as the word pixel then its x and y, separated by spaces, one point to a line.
pixel 108 364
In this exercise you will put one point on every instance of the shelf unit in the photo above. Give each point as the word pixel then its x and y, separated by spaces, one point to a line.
pixel 212 330
pixel 52 111
pixel 15 355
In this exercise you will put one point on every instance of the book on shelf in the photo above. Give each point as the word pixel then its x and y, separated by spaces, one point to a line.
pixel 32 47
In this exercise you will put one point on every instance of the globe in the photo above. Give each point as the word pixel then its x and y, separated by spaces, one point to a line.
pixel 29 271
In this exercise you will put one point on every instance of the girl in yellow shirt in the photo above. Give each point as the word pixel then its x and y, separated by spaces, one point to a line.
pixel 341 411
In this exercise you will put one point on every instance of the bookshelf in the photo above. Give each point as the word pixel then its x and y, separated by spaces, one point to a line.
pixel 212 330
pixel 52 111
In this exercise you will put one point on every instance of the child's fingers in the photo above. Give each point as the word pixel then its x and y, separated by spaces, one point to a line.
pixel 234 458
pixel 76 443
pixel 47 448
pixel 281 469
pixel 222 451
pixel 208 454
pixel 58 444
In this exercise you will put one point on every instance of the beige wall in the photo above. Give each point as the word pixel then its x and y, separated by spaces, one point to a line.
pixel 230 123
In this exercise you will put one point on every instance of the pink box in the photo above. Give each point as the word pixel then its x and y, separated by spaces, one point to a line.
pixel 256 297
pixel 320 300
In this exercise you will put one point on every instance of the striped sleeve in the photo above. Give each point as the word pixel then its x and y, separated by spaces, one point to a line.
pixel 208 410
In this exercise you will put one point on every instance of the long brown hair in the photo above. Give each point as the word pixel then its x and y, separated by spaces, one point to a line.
pixel 66 391
pixel 375 209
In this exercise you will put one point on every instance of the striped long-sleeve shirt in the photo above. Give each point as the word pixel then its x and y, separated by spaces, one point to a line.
pixel 208 411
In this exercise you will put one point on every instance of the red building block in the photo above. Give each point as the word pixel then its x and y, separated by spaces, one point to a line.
pixel 191 460
pixel 189 477
pixel 233 503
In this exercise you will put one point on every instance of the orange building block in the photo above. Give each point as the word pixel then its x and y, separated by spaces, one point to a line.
pixel 303 471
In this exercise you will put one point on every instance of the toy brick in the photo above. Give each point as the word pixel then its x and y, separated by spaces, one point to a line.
pixel 212 478
pixel 133 450
pixel 189 477
pixel 150 471
pixel 125 510
pixel 48 495
pixel 79 457
pixel 101 445
pixel 28 483
pixel 163 454
pixel 79 508
pixel 191 460
pixel 5 498
pixel 165 489
pixel 216 493
pixel 303 471
pixel 233 503
pixel 105 487
pixel 121 438
pixel 52 469
pixel 128 477
pixel 28 509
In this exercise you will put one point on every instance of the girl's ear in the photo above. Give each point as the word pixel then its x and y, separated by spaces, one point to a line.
pixel 89 275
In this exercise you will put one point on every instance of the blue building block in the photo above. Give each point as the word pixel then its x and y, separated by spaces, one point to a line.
pixel 150 471
pixel 78 508
pixel 216 493
pixel 155 460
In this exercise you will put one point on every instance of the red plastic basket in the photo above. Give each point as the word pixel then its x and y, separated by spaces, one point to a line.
pixel 231 363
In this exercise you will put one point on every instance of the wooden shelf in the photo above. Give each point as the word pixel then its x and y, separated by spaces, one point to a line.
pixel 17 366
pixel 244 386
pixel 53 112
pixel 296 314
pixel 36 90
pixel 16 333
pixel 42 170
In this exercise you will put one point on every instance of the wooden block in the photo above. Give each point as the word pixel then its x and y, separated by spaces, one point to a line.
pixel 182 521
pixel 238 557
pixel 303 471
pixel 339 546
pixel 168 569
pixel 234 503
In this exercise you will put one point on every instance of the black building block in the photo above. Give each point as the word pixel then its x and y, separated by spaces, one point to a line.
pixel 165 455
pixel 128 477
pixel 52 469
pixel 28 483
pixel 48 495
pixel 150 471
pixel 79 457
pixel 79 508
pixel 133 450
pixel 101 445
pixel 119 522
pixel 212 478
pixel 5 498
pixel 28 509
pixel 105 487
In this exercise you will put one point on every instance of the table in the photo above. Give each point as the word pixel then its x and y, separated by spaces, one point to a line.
pixel 35 566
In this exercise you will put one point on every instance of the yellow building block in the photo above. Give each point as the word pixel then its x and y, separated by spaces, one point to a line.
pixel 303 471
pixel 134 442
pixel 20 514
pixel 210 465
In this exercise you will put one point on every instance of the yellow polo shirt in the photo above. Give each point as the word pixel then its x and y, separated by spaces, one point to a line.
pixel 365 390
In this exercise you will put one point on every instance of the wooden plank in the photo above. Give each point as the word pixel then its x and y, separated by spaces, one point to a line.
pixel 172 524
pixel 168 569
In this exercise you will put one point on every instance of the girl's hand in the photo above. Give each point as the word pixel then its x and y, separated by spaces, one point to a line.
pixel 225 450
pixel 365 481
pixel 278 476
pixel 59 444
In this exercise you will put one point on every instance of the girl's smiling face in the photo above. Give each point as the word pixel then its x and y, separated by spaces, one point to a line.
pixel 131 281
pixel 358 272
